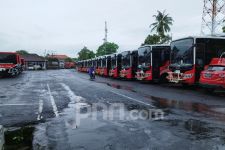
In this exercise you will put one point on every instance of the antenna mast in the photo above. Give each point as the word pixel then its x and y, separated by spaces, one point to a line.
pixel 106 33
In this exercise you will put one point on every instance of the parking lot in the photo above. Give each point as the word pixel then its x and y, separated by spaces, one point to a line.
pixel 50 110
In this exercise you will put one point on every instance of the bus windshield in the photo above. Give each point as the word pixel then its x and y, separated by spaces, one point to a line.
pixel 113 62
pixel 8 58
pixel 182 52
pixel 126 60
pixel 99 63
pixel 104 62
pixel 144 57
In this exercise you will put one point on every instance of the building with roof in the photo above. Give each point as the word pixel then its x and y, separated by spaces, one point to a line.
pixel 34 62
pixel 60 58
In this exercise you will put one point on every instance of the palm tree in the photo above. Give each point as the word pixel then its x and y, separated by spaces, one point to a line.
pixel 162 23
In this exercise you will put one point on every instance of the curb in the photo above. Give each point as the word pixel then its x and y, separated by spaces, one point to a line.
pixel 1 137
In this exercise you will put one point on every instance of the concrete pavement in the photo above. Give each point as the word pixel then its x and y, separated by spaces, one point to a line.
pixel 60 106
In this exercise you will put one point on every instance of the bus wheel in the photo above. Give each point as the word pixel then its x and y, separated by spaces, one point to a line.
pixel 209 90
pixel 185 84
pixel 163 78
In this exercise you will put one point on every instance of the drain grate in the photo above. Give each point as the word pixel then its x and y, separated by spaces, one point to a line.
pixel 1 137
pixel 20 138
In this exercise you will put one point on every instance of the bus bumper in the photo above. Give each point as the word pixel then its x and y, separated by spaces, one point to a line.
pixel 143 76
pixel 186 78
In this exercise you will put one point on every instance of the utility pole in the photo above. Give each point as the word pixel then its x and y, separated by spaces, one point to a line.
pixel 106 33
pixel 213 17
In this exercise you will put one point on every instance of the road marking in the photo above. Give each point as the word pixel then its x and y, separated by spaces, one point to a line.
pixel 73 97
pixel 40 109
pixel 133 99
pixel 55 110
pixel 18 104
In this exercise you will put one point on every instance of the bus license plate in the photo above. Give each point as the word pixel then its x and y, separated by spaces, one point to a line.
pixel 177 71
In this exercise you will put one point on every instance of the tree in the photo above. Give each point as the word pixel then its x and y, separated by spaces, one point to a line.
pixel 152 39
pixel 161 27
pixel 162 23
pixel 75 59
pixel 107 48
pixel 224 29
pixel 22 52
pixel 85 53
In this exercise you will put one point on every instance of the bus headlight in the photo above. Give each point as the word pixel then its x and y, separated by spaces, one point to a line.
pixel 187 76
pixel 222 75
pixel 2 69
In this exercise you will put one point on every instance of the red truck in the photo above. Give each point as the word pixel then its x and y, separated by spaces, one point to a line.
pixel 213 77
pixel 11 64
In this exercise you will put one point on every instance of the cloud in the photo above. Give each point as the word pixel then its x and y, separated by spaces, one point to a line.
pixel 65 26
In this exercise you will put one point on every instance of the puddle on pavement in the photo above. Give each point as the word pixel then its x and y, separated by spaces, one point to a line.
pixel 117 86
pixel 2 96
pixel 217 112
pixel 63 132
pixel 19 138
pixel 163 103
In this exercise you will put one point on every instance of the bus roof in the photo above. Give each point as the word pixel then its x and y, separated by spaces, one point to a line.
pixel 154 45
pixel 201 37
pixel 8 53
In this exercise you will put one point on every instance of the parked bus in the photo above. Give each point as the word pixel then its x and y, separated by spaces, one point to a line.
pixel 10 64
pixel 129 63
pixel 99 65
pixel 115 65
pixel 105 65
pixel 213 77
pixel 153 63
pixel 189 57
pixel 85 64
pixel 79 66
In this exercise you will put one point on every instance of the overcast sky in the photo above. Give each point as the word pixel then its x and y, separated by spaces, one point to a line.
pixel 66 26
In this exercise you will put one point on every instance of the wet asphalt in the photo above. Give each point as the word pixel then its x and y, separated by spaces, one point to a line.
pixel 54 109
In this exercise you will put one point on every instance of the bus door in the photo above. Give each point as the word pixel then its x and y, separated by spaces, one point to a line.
pixel 134 62
pixel 119 62
pixel 156 62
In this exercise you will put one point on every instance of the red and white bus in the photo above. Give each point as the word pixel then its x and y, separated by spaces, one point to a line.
pixel 153 63
pixel 115 65
pixel 99 65
pixel 105 65
pixel 79 66
pixel 189 57
pixel 129 62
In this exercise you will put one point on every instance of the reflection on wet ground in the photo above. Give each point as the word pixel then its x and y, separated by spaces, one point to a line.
pixel 216 111
pixel 176 131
